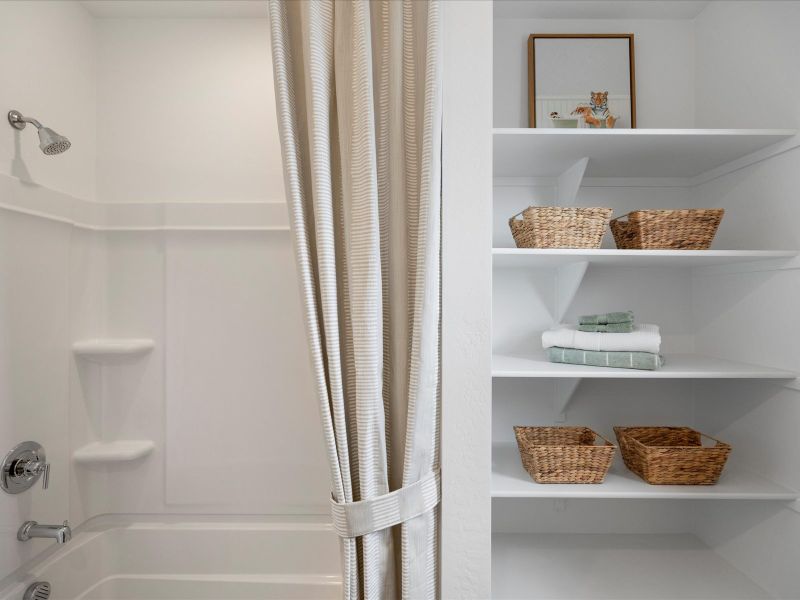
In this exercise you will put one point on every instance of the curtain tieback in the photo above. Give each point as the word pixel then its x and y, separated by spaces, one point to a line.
pixel 354 519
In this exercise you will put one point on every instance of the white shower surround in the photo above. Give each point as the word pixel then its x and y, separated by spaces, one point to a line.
pixel 112 265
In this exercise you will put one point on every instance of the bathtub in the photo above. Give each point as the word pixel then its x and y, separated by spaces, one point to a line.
pixel 188 558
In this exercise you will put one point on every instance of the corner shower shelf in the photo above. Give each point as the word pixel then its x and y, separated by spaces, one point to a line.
pixel 619 566
pixel 553 258
pixel 509 480
pixel 111 452
pixel 678 366
pixel 106 349
pixel 686 153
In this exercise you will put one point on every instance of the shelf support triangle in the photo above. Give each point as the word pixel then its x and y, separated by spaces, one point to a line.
pixel 569 182
pixel 564 391
pixel 568 280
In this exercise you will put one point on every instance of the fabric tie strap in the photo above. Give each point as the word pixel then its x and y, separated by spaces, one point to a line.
pixel 354 519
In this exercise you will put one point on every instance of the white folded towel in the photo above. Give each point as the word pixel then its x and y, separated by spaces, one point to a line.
pixel 643 338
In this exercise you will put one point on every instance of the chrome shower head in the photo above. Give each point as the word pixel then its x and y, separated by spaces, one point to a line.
pixel 49 141
pixel 52 143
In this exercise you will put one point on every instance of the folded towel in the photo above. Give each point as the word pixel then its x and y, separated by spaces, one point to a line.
pixel 608 328
pixel 605 319
pixel 646 361
pixel 643 338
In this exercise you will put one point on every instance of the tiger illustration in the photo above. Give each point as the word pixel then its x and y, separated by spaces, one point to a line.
pixel 597 112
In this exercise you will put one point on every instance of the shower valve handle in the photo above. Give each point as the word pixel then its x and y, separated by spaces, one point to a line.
pixel 42 469
pixel 33 469
pixel 22 466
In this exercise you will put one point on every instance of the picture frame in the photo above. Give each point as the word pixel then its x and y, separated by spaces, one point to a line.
pixel 563 73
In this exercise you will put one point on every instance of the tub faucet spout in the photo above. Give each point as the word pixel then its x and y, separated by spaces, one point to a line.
pixel 31 529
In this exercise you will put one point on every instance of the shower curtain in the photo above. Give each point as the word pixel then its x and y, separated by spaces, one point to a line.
pixel 358 88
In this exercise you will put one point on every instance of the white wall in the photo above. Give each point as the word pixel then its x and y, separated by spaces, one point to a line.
pixel 664 52
pixel 186 111
pixel 47 51
pixel 466 300
pixel 746 69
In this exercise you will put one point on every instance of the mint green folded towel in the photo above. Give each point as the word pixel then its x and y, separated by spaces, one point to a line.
pixel 621 360
pixel 606 318
pixel 608 328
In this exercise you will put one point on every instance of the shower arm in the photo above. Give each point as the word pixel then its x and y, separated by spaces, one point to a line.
pixel 18 121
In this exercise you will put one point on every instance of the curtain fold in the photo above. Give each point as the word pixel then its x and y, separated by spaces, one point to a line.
pixel 358 87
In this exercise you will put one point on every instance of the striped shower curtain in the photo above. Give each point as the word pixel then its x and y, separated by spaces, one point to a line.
pixel 358 86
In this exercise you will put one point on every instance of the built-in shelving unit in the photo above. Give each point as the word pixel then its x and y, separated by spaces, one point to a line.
pixel 105 349
pixel 677 366
pixel 113 452
pixel 685 153
pixel 612 565
pixel 510 480
pixel 625 539
pixel 103 354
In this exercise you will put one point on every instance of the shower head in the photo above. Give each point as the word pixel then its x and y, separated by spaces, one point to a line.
pixel 52 143
pixel 49 141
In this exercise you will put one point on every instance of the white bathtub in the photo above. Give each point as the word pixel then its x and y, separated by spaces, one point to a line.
pixel 189 558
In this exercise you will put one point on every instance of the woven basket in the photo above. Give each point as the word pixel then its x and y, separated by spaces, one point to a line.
pixel 564 454
pixel 557 227
pixel 671 455
pixel 688 229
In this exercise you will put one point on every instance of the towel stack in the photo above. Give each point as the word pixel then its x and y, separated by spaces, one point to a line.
pixel 607 340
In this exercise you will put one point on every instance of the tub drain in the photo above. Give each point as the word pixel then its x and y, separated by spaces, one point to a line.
pixel 38 590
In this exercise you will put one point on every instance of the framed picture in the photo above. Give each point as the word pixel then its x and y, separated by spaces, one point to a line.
pixel 581 80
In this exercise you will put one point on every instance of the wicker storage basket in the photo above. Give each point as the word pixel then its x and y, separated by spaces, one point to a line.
pixel 671 455
pixel 689 229
pixel 564 454
pixel 557 227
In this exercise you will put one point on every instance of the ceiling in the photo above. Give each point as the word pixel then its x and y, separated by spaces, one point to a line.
pixel 503 9
pixel 186 9
pixel 598 9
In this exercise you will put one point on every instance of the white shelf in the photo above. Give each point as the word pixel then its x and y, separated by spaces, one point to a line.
pixel 111 452
pixel 613 566
pixel 550 258
pixel 626 152
pixel 678 366
pixel 509 480
pixel 107 349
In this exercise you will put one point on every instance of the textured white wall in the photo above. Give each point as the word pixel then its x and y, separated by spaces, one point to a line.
pixel 186 111
pixel 664 52
pixel 466 301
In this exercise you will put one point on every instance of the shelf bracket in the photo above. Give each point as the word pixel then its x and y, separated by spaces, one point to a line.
pixel 569 182
pixel 564 391
pixel 568 280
